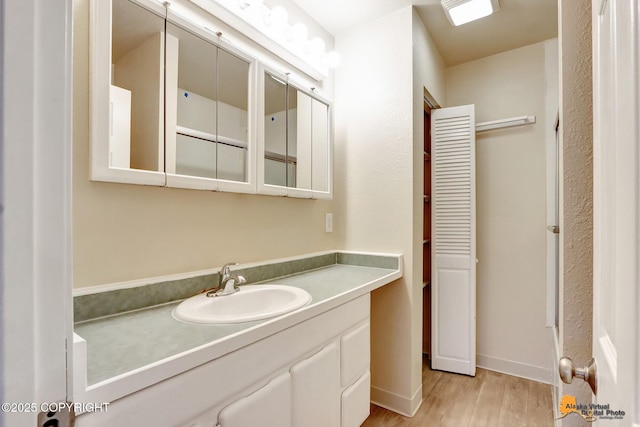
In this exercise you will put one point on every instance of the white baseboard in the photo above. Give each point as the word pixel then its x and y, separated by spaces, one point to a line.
pixel 517 369
pixel 396 403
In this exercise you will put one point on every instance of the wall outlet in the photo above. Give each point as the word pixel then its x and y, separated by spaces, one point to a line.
pixel 328 223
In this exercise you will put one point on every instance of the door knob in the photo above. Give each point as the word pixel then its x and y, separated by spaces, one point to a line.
pixel 568 371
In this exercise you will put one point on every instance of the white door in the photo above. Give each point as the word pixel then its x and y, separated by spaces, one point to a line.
pixel 453 196
pixel 616 304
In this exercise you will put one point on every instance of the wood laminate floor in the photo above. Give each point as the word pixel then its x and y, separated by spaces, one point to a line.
pixel 489 399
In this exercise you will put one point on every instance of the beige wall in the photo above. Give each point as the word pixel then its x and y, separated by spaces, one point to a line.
pixel 428 74
pixel 127 232
pixel 576 192
pixel 378 183
pixel 511 209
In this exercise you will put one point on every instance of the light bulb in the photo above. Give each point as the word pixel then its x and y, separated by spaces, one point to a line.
pixel 332 59
pixel 278 17
pixel 317 46
pixel 299 31
pixel 253 10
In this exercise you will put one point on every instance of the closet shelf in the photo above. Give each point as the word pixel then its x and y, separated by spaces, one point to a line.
pixel 505 123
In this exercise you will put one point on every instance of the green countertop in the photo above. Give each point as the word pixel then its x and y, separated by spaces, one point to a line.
pixel 130 341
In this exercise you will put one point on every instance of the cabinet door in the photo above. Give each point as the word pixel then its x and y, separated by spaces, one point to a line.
pixel 316 389
pixel 127 54
pixel 269 406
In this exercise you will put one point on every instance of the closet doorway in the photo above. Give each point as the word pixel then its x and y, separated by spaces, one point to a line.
pixel 426 237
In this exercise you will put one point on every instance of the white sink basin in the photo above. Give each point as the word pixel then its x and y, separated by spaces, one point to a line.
pixel 251 302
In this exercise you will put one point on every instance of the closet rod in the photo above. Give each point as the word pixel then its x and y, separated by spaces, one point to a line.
pixel 505 123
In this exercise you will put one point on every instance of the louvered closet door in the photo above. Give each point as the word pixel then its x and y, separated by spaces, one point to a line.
pixel 454 239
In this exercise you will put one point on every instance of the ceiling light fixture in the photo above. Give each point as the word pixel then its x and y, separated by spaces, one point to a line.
pixel 462 11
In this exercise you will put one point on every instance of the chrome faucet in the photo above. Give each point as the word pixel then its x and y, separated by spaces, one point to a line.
pixel 227 282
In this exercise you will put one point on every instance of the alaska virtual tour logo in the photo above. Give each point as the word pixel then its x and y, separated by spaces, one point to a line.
pixel 590 412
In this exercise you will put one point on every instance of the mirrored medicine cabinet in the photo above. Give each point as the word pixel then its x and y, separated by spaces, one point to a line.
pixel 173 104
pixel 295 139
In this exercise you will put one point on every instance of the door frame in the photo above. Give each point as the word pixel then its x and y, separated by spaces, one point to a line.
pixel 576 189
pixel 36 137
pixel 426 234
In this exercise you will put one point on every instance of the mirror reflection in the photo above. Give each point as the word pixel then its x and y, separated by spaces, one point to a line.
pixel 278 164
pixel 292 136
pixel 210 89
pixel 194 93
pixel 136 93
pixel 233 107
pixel 320 146
pixel 300 137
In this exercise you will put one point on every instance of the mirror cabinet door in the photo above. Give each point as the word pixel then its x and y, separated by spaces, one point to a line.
pixel 321 171
pixel 292 136
pixel 133 74
pixel 233 117
pixel 276 161
pixel 207 109
pixel 191 104
pixel 299 137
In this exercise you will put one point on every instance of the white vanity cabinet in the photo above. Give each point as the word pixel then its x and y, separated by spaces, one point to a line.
pixel 314 373
pixel 307 395
pixel 311 393
pixel 269 406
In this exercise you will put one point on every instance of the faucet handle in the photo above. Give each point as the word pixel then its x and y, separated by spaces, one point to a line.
pixel 226 269
pixel 237 280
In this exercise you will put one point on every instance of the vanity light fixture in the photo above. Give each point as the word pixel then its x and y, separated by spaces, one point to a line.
pixel 462 11
pixel 277 18
pixel 332 59
pixel 270 28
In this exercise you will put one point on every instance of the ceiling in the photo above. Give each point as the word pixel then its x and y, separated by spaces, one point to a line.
pixel 518 23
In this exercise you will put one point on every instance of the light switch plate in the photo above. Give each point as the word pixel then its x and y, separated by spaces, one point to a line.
pixel 328 223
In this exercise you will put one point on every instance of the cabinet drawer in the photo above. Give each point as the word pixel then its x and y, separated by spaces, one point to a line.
pixel 355 402
pixel 354 354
